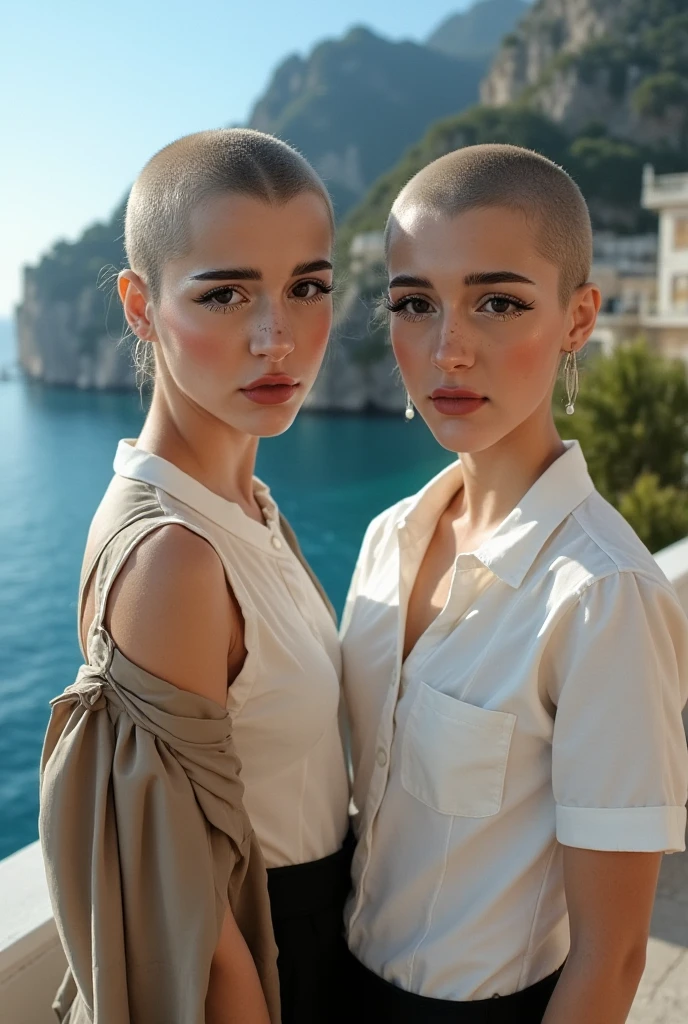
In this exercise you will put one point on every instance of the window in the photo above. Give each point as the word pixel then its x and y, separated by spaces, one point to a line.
pixel 681 233
pixel 679 293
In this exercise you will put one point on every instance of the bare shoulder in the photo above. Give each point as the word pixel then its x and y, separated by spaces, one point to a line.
pixel 170 612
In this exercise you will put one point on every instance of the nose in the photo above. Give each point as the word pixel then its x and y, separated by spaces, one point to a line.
pixel 454 350
pixel 271 334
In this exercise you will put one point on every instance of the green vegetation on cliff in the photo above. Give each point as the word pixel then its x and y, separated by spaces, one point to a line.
pixel 607 170
pixel 70 267
pixel 648 46
pixel 645 57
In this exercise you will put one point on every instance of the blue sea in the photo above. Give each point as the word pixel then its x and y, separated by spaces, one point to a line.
pixel 329 474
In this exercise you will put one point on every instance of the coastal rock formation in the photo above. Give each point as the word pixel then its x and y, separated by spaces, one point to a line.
pixel 68 342
pixel 359 373
pixel 620 63
pixel 599 86
pixel 69 323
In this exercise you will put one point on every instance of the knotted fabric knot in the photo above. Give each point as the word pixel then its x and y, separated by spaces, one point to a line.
pixel 91 695
pixel 87 689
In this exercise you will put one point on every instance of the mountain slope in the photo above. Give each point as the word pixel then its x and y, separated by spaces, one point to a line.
pixel 623 64
pixel 478 31
pixel 600 86
pixel 570 83
pixel 355 104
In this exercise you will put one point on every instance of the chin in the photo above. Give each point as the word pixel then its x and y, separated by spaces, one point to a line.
pixel 265 422
pixel 461 436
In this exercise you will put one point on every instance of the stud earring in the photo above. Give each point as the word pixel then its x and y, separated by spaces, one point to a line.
pixel 410 411
pixel 571 381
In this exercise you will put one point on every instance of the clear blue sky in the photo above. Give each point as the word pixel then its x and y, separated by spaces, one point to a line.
pixel 90 90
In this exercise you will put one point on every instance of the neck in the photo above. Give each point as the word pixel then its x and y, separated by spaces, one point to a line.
pixel 495 480
pixel 218 456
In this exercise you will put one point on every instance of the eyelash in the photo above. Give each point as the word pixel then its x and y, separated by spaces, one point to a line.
pixel 206 299
pixel 400 307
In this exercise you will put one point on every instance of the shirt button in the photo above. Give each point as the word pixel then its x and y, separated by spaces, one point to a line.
pixel 276 543
pixel 381 757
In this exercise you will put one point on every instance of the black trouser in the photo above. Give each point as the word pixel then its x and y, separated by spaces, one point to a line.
pixel 379 1000
pixel 307 904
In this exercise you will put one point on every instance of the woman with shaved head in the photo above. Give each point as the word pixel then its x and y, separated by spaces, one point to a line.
pixel 200 742
pixel 515 663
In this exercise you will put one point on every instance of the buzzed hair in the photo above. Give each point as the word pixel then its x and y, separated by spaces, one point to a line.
pixel 478 177
pixel 199 167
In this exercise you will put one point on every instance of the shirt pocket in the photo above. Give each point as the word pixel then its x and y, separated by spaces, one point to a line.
pixel 454 755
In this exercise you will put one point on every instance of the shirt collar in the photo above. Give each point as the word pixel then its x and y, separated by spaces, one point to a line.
pixel 137 464
pixel 513 547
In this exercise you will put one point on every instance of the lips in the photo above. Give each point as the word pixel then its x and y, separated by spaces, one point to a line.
pixel 273 389
pixel 457 401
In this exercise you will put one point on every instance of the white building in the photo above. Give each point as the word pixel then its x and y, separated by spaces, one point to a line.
pixel 668 195
pixel 634 304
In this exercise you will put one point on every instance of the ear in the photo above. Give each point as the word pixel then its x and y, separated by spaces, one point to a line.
pixel 583 309
pixel 136 302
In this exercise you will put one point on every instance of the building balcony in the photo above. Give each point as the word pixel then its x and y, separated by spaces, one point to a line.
pixel 32 963
pixel 663 190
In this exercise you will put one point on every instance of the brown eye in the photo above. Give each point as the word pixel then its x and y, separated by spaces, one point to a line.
pixel 224 297
pixel 499 305
pixel 419 306
pixel 308 290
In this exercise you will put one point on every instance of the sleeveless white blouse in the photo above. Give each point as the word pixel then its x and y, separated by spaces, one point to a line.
pixel 285 701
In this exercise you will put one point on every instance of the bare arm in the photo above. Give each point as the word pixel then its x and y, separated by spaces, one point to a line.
pixel 171 613
pixel 610 897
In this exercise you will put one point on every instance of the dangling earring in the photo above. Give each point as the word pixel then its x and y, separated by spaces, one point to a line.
pixel 571 381
pixel 410 411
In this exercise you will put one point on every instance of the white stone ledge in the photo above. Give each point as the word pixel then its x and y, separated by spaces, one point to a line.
pixel 32 963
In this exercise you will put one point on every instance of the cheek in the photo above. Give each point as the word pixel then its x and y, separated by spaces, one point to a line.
pixel 314 330
pixel 409 344
pixel 198 336
pixel 530 359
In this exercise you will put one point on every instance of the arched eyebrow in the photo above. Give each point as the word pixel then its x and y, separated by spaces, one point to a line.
pixel 232 274
pixel 409 281
pixel 249 274
pixel 496 277
pixel 477 278
pixel 311 268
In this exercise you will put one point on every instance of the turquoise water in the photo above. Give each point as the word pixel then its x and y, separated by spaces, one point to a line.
pixel 330 475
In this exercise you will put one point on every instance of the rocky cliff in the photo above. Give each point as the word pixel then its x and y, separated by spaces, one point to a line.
pixel 620 64
pixel 69 323
pixel 599 86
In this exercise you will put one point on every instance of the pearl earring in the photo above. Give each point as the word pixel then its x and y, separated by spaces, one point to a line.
pixel 571 381
pixel 410 411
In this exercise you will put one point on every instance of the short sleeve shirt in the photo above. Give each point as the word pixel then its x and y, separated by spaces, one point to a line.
pixel 541 707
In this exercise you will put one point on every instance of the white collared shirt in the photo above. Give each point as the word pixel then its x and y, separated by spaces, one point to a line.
pixel 285 700
pixel 541 707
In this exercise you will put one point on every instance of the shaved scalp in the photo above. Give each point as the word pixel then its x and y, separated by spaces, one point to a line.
pixel 516 179
pixel 197 168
